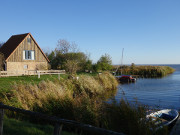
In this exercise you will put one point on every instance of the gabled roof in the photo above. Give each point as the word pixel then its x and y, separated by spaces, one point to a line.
pixel 13 42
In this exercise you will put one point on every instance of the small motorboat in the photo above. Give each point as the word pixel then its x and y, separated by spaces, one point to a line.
pixel 163 117
pixel 126 78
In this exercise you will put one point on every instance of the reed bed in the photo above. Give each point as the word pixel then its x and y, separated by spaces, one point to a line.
pixel 147 71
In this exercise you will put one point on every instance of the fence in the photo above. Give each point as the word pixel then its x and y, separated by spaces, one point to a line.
pixel 30 72
pixel 47 72
pixel 57 122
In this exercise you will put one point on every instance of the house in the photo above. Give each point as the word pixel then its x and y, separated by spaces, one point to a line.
pixel 21 53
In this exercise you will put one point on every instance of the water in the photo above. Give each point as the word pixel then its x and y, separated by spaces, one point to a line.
pixel 158 92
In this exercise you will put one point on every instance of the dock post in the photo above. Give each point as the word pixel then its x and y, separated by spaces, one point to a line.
pixel 58 129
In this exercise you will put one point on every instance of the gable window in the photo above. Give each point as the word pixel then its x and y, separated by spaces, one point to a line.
pixel 28 55
pixel 29 40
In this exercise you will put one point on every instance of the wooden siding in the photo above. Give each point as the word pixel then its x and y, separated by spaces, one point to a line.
pixel 17 55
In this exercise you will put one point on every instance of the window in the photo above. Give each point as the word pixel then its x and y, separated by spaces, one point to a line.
pixel 29 40
pixel 25 66
pixel 28 55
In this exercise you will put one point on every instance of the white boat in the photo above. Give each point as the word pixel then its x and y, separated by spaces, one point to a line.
pixel 163 117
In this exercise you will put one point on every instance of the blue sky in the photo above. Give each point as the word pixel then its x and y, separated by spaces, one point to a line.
pixel 148 30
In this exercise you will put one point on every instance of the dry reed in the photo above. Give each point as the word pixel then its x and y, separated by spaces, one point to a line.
pixel 80 100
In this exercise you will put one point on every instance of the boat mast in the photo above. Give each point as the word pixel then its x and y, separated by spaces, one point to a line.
pixel 122 61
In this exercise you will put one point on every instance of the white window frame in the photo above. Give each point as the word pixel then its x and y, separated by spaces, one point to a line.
pixel 28 55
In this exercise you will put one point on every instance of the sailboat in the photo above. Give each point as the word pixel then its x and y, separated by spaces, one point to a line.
pixel 124 78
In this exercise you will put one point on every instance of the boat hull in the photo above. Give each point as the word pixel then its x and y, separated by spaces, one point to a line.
pixel 164 117
pixel 126 79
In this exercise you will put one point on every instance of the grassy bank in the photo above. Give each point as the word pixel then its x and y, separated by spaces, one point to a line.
pixel 7 82
pixel 146 71
pixel 68 98
pixel 82 100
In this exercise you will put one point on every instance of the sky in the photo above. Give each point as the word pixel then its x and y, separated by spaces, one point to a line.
pixel 148 30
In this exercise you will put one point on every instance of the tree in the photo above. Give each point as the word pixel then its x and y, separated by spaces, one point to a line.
pixel 67 56
pixel 104 63
pixel 65 52
pixel 65 46
pixel 71 66
pixel 52 59
pixel 78 58
pixel 88 65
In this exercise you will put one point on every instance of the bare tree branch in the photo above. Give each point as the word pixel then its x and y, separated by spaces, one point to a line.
pixel 64 46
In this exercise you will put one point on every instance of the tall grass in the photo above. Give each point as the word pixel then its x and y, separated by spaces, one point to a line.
pixel 68 98
pixel 147 71
pixel 82 100
pixel 130 118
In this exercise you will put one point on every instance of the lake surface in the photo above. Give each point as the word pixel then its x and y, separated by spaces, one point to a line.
pixel 157 92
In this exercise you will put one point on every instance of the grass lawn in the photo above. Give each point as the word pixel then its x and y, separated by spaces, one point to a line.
pixel 6 82
pixel 15 127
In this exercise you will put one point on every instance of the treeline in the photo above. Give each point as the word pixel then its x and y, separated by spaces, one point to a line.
pixel 145 71
pixel 67 56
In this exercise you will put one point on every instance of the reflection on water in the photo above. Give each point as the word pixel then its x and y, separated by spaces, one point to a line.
pixel 159 92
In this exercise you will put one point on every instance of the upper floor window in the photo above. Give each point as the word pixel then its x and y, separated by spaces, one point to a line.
pixel 29 40
pixel 28 55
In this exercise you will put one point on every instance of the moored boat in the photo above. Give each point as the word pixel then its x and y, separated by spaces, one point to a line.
pixel 126 78
pixel 164 117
